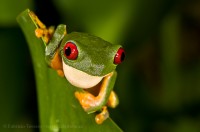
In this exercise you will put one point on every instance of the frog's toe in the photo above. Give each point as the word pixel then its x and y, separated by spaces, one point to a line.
pixel 101 117
pixel 60 73
pixel 39 32
pixel 113 100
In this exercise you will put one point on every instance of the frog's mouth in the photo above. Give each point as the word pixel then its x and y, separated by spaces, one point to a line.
pixel 79 78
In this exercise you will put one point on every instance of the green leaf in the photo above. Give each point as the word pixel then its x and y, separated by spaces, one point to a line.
pixel 58 108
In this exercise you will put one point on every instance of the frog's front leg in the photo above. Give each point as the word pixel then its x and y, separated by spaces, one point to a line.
pixel 52 39
pixel 90 103
pixel 53 57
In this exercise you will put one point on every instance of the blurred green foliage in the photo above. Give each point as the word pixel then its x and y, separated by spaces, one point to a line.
pixel 158 84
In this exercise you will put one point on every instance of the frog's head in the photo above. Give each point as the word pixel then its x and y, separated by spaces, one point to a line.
pixel 87 59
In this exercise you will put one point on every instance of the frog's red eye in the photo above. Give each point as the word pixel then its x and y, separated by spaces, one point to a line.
pixel 70 51
pixel 119 56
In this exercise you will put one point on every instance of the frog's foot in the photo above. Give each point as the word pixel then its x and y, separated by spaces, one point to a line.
pixel 101 117
pixel 113 100
pixel 86 99
pixel 42 31
pixel 45 33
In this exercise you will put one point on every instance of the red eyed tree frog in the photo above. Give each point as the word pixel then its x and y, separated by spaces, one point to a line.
pixel 87 62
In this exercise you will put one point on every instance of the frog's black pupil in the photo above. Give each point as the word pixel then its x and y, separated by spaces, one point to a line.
pixel 122 56
pixel 67 51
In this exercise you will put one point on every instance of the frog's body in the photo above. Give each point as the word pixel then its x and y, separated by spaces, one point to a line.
pixel 87 62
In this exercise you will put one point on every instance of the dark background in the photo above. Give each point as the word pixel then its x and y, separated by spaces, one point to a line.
pixel 159 82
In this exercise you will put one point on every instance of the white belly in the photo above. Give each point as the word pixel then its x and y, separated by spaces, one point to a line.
pixel 79 78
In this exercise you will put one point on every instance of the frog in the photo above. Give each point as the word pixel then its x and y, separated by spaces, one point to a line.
pixel 87 62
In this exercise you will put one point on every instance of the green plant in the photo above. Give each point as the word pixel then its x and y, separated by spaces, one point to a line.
pixel 58 108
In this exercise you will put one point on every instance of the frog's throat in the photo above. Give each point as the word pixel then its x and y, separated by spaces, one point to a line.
pixel 79 78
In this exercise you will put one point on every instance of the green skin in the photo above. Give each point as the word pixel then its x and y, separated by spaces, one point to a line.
pixel 95 57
